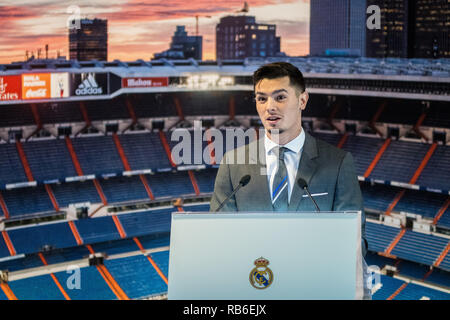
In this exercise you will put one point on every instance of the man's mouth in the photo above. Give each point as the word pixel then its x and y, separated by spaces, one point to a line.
pixel 273 120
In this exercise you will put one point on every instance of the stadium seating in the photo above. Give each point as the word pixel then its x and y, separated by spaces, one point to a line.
pixel 97 229
pixel 377 197
pixel 161 259
pixel 389 286
pixel 144 151
pixel 11 169
pixel 205 180
pixel 419 247
pixel 392 163
pixel 23 203
pixel 146 222
pixel 75 192
pixel 49 159
pixel 331 138
pixel 170 184
pixel 363 150
pixel 436 173
pixel 123 189
pixel 379 236
pixel 426 204
pixel 33 239
pixel 136 276
pixel 97 155
pixel 36 288
pixel 92 285
pixel 415 292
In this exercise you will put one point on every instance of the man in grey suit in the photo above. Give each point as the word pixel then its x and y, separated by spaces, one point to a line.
pixel 284 154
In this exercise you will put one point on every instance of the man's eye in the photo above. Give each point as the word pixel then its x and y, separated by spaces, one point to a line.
pixel 281 98
pixel 260 99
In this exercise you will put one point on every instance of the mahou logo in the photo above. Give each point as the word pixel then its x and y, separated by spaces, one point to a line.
pixel 9 88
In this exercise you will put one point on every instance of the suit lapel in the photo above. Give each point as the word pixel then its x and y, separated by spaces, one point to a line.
pixel 258 172
pixel 306 169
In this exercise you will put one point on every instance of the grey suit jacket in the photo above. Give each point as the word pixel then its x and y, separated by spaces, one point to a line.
pixel 325 168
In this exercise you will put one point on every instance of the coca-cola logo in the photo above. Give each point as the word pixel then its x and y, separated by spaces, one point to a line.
pixel 39 93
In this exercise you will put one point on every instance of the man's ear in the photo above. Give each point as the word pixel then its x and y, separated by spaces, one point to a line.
pixel 303 100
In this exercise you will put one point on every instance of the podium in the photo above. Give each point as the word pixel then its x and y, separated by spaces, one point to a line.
pixel 268 256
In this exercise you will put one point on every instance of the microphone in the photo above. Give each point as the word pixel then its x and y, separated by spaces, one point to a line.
pixel 242 183
pixel 302 184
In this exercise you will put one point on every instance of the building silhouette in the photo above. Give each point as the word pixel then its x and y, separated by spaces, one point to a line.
pixel 183 46
pixel 239 37
pixel 89 41
pixel 337 25
pixel 411 29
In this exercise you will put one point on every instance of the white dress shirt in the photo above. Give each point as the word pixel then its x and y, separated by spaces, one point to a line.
pixel 291 159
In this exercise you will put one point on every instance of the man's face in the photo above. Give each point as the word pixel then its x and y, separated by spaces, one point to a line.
pixel 279 108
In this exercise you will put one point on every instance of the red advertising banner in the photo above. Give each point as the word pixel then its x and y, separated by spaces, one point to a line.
pixel 10 88
pixel 140 82
pixel 36 86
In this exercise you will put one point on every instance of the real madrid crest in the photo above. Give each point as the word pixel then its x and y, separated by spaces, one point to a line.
pixel 261 276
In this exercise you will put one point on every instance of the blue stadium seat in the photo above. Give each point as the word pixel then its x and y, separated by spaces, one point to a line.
pixel 363 149
pixel 146 222
pixel 93 230
pixel 389 286
pixel 424 203
pixel 445 264
pixel 92 285
pixel 415 292
pixel 97 155
pixel 155 240
pixel 29 201
pixel 49 159
pixel 170 184
pixel 392 163
pixel 418 247
pixel 123 189
pixel 3 297
pixel 66 254
pixel 116 247
pixel 75 192
pixel 439 277
pixel 136 276
pixel 436 173
pixel 331 138
pixel 378 197
pixel 161 259
pixel 33 239
pixel 3 249
pixel 206 179
pixel 11 169
pixel 144 151
pixel 27 262
pixel 379 236
pixel 444 221
pixel 36 288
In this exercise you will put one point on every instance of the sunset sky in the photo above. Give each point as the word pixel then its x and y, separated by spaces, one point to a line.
pixel 139 28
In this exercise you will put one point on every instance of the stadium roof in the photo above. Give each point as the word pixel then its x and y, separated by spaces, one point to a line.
pixel 355 67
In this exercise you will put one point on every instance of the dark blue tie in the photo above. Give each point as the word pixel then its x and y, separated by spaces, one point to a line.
pixel 280 183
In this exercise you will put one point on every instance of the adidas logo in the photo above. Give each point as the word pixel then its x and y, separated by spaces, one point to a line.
pixel 88 87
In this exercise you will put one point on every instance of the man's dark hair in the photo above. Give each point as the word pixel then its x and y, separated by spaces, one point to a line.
pixel 279 70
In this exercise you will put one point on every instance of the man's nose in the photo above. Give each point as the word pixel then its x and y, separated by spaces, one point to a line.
pixel 271 104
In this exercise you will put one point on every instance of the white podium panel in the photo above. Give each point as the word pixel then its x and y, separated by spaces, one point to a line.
pixel 234 256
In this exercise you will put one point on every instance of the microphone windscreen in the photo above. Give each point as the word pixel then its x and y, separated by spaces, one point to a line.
pixel 245 180
pixel 302 183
